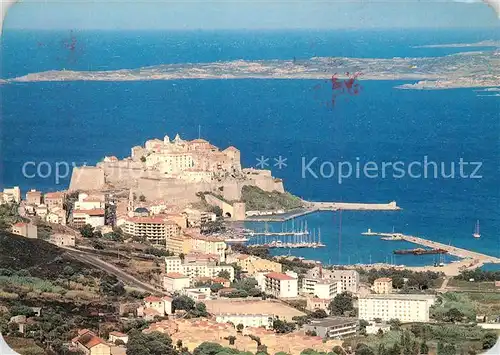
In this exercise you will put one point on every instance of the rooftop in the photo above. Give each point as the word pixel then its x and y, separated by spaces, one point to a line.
pixel 280 276
pixel 332 322
pixel 94 212
pixel 54 195
pixel 152 299
pixel 383 279
pixel 399 296
pixel 175 275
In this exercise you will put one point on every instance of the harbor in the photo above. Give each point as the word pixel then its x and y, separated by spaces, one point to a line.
pixel 294 241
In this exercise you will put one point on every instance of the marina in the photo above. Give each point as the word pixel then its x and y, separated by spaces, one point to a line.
pixel 294 241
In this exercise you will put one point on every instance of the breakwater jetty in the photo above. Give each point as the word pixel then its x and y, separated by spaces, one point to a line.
pixel 312 207
pixel 452 250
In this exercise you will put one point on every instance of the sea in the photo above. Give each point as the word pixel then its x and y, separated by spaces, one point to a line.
pixel 48 126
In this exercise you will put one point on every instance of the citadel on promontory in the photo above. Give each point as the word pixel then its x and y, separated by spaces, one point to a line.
pixel 176 170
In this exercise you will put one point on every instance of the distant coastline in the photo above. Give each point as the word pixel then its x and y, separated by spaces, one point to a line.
pixel 447 72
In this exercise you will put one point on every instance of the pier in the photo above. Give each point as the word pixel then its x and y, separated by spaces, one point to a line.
pixel 451 250
pixel 312 207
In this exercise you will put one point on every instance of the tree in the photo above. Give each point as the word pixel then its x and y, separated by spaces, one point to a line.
pixel 340 304
pixel 154 343
pixel 179 344
pixel 216 287
pixel 319 313
pixel 283 327
pixel 231 339
pixel 143 159
pixel 207 348
pixel 240 327
pixel 183 303
pixel 119 342
pixel 311 333
pixel 338 350
pixel 362 326
pixel 453 315
pixel 200 310
pixel 424 348
pixel 395 324
pixel 142 198
pixel 87 231
pixel 224 274
pixel 111 286
pixel 363 349
pixel 489 340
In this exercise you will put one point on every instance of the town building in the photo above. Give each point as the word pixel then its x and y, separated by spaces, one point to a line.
pixel 34 197
pixel 114 336
pixel 314 303
pixel 90 344
pixel 333 327
pixel 251 264
pixel 280 285
pixel 41 210
pixel 322 288
pixel 12 194
pixel 57 216
pixel 93 217
pixel 247 320
pixel 405 307
pixel 86 202
pixel 382 285
pixel 174 281
pixel 62 240
pixel 26 230
pixel 197 268
pixel 157 229
pixel 156 306
pixel 197 294
pixel 205 244
pixel 175 244
pixel 348 278
pixel 54 199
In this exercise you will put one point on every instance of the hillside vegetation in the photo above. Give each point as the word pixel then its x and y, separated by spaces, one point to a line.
pixel 260 200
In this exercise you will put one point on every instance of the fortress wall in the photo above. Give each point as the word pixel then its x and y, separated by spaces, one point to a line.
pixel 232 191
pixel 172 190
pixel 86 178
pixel 227 209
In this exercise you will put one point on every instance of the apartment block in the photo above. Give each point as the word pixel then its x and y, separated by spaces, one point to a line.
pixel 280 285
pixel 34 197
pixel 195 269
pixel 348 278
pixel 405 307
pixel 12 194
pixel 322 288
pixel 54 199
pixel 333 327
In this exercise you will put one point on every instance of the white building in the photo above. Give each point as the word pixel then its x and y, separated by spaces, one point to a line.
pixel 174 281
pixel 93 217
pixel 333 327
pixel 248 320
pixel 114 336
pixel 322 288
pixel 61 240
pixel 196 268
pixel 57 216
pixel 349 278
pixel 86 202
pixel 280 285
pixel 405 307
pixel 159 306
pixel 197 293
pixel 11 195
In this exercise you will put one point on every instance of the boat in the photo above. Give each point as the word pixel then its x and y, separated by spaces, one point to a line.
pixel 394 237
pixel 476 231
pixel 420 251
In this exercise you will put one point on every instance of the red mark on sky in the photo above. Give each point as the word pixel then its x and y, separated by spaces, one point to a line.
pixel 339 87
pixel 72 45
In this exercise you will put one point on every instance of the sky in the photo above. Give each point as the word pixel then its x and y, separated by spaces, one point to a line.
pixel 248 14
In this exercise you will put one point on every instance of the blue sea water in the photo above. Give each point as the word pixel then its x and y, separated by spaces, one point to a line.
pixel 81 122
